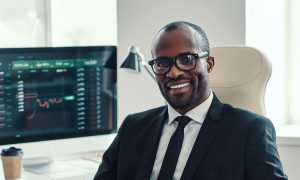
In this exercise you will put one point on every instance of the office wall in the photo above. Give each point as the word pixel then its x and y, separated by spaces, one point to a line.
pixel 139 21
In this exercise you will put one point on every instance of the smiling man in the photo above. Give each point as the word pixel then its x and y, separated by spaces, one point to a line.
pixel 194 137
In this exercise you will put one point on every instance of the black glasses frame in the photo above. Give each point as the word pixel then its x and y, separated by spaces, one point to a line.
pixel 173 60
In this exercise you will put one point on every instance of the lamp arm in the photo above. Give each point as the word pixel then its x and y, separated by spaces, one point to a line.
pixel 143 62
pixel 147 69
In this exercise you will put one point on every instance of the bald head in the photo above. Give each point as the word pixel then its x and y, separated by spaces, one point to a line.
pixel 198 36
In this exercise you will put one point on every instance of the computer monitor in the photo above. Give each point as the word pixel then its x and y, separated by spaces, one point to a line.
pixel 56 93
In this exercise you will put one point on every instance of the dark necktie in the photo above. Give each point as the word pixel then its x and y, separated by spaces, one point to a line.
pixel 174 147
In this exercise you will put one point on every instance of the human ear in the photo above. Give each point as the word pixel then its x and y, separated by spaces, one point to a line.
pixel 210 63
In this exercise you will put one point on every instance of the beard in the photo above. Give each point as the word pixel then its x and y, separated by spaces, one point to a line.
pixel 195 98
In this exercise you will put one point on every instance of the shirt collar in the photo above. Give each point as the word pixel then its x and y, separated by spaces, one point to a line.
pixel 198 113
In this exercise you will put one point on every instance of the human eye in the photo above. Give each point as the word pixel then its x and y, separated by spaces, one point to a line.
pixel 186 59
pixel 162 63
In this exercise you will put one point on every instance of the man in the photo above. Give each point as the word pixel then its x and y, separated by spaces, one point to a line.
pixel 194 137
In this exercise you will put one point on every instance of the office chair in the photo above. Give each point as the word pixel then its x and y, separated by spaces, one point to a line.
pixel 240 77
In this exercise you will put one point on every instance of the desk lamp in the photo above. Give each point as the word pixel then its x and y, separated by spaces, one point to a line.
pixel 133 61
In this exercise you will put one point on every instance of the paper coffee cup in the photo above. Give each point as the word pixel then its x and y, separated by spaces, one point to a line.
pixel 12 163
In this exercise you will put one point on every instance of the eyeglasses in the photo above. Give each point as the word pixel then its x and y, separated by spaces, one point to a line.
pixel 184 62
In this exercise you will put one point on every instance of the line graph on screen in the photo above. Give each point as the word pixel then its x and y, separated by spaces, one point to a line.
pixel 36 103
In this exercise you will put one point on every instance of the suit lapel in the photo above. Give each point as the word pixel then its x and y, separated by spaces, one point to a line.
pixel 148 158
pixel 204 139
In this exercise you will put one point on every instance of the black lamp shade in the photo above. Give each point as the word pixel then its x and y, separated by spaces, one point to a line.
pixel 132 62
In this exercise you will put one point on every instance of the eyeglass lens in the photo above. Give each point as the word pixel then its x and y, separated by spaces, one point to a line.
pixel 183 62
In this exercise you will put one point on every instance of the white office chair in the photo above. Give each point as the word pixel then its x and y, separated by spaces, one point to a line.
pixel 240 77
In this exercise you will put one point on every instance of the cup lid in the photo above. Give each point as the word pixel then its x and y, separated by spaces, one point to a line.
pixel 12 151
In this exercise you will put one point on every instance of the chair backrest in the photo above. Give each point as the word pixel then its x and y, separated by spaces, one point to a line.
pixel 240 77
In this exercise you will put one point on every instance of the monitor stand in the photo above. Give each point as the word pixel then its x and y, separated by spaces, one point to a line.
pixel 45 165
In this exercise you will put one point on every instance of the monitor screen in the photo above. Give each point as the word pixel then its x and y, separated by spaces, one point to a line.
pixel 57 92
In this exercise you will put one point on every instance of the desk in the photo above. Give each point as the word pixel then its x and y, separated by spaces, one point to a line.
pixel 63 167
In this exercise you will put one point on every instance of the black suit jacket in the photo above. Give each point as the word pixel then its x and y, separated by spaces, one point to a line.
pixel 233 144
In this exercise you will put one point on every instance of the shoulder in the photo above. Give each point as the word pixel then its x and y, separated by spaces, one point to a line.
pixel 229 111
pixel 239 125
pixel 148 113
pixel 145 117
pixel 246 119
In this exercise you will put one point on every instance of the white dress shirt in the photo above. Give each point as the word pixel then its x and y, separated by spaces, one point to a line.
pixel 191 131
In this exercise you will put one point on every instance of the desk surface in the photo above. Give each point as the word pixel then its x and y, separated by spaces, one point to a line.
pixel 62 167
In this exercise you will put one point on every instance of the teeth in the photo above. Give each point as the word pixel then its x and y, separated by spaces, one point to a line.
pixel 179 86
